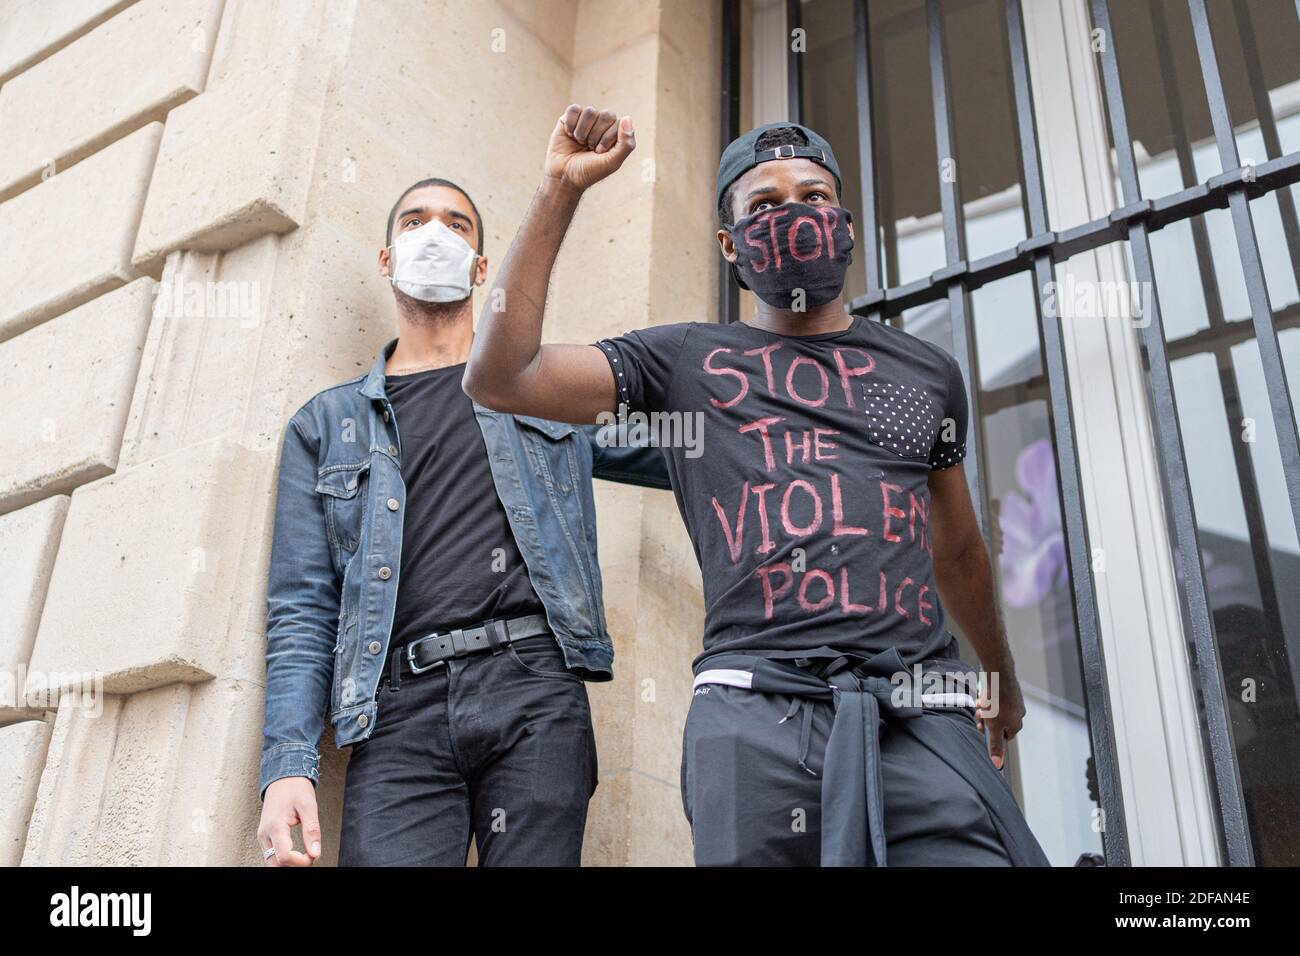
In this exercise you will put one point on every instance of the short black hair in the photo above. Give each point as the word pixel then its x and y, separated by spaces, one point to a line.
pixel 392 215
pixel 770 139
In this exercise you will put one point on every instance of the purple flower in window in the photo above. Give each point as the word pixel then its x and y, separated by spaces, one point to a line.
pixel 1033 546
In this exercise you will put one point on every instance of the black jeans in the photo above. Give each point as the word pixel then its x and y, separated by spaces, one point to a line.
pixel 495 745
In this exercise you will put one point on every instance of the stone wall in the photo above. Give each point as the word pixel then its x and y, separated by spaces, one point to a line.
pixel 192 198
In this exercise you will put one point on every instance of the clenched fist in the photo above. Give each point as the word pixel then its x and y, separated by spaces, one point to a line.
pixel 587 145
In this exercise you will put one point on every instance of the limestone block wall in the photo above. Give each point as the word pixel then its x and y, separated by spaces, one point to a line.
pixel 192 197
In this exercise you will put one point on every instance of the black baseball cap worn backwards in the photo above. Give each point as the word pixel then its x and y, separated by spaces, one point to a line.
pixel 742 155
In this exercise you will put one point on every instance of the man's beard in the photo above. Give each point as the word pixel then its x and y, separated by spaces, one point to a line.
pixel 421 313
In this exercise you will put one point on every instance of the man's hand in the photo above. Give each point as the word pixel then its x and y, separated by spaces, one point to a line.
pixel 509 369
pixel 1003 722
pixel 586 146
pixel 290 802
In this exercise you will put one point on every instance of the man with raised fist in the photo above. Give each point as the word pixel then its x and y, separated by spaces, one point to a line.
pixel 833 722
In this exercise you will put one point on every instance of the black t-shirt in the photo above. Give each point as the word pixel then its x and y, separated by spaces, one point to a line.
pixel 807 501
pixel 460 565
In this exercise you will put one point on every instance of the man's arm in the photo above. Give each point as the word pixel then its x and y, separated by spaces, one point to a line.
pixel 509 369
pixel 302 610
pixel 965 579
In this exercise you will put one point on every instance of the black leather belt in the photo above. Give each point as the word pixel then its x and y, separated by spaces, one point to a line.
pixel 426 653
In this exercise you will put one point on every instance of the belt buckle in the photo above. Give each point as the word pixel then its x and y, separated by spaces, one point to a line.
pixel 416 668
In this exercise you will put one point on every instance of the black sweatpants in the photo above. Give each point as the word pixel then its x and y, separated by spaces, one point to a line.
pixel 751 804
pixel 495 745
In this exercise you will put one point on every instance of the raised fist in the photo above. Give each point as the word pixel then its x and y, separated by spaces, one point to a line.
pixel 587 145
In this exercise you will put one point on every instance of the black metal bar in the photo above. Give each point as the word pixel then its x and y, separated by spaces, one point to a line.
pixel 1252 267
pixel 1169 446
pixel 794 61
pixel 954 243
pixel 729 129
pixel 1086 237
pixel 868 227
pixel 954 235
pixel 1186 161
pixel 1078 550
pixel 888 215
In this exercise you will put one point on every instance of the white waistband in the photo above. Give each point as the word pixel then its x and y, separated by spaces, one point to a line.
pixel 745 679
pixel 732 678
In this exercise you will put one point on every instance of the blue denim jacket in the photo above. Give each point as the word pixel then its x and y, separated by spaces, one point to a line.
pixel 337 546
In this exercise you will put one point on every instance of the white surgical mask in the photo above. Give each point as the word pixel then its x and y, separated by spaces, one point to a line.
pixel 432 263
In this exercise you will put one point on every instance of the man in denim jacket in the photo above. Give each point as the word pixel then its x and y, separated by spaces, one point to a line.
pixel 437 593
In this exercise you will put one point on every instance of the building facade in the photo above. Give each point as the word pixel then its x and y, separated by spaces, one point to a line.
pixel 1092 205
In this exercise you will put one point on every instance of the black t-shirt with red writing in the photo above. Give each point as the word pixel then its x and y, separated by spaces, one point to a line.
pixel 806 496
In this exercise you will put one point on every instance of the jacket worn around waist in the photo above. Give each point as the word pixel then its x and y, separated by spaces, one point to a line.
pixel 864 694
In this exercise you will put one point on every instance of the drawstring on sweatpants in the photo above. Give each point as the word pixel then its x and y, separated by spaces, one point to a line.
pixel 805 728
pixel 806 704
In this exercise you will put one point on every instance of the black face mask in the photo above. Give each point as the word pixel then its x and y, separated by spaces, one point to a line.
pixel 793 248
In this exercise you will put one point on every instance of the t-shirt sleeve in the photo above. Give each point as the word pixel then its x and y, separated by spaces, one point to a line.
pixel 950 445
pixel 643 363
